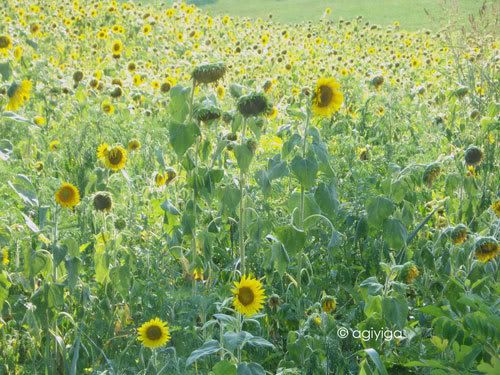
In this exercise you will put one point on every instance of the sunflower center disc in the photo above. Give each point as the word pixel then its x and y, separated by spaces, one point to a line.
pixel 115 157
pixel 153 333
pixel 245 296
pixel 325 96
pixel 66 194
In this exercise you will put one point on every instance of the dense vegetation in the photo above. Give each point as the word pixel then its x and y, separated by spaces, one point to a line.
pixel 188 194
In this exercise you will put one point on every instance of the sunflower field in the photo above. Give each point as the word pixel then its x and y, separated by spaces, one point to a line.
pixel 184 193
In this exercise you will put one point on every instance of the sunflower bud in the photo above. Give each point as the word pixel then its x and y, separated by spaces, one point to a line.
pixel 409 272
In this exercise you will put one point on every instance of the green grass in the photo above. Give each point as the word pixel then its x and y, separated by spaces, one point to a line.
pixel 410 13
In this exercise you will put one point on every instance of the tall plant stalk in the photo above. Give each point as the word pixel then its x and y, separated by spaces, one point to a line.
pixel 242 206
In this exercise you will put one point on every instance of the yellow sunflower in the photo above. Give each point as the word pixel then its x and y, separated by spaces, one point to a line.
pixel 19 94
pixel 102 151
pixel 134 145
pixel 328 304
pixel 5 42
pixel 117 48
pixel 115 158
pixel 160 179
pixel 249 296
pixel 154 333
pixel 327 98
pixel 67 196
pixel 486 249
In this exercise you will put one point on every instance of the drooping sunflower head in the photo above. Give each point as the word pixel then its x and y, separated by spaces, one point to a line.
pixel 115 158
pixel 486 249
pixel 249 296
pixel 254 104
pixel 431 172
pixel 171 174
pixel 206 112
pixel 496 207
pixel 102 201
pixel 19 94
pixel 327 98
pixel 209 73
pixel 473 155
pixel 134 145
pixel 154 333
pixel 67 195
pixel 5 42
pixel 409 272
pixel 328 304
pixel 459 234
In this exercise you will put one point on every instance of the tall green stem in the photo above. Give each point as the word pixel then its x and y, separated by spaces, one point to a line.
pixel 242 207
pixel 302 197
pixel 193 175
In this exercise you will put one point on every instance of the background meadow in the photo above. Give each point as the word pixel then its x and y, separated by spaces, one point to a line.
pixel 187 192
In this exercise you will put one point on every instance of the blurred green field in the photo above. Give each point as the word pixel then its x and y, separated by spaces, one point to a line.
pixel 410 13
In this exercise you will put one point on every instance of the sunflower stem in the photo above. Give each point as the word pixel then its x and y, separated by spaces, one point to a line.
pixel 242 208
pixel 302 199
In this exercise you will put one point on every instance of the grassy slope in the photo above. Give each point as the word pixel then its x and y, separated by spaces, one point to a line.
pixel 410 13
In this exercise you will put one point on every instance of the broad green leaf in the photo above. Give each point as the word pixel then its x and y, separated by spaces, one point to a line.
pixel 167 206
pixel 326 197
pixel 394 234
pixel 305 170
pixel 182 136
pixel 379 209
pixel 395 311
pixel 280 258
pixel 292 238
pixel 224 368
pixel 179 103
pixel 209 347
pixel 244 156
pixel 373 354
pixel 25 189
pixel 250 369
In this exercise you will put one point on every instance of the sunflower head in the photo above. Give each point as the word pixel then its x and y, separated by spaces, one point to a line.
pixel 67 195
pixel 5 42
pixel 486 249
pixel 327 98
pixel 328 304
pixel 102 151
pixel 160 179
pixel 409 272
pixel 254 104
pixel 496 208
pixel 115 158
pixel 170 174
pixel 473 155
pixel 102 201
pixel 209 73
pixel 431 172
pixel 77 76
pixel 459 234
pixel 134 145
pixel 18 94
pixel 154 333
pixel 206 112
pixel 249 296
